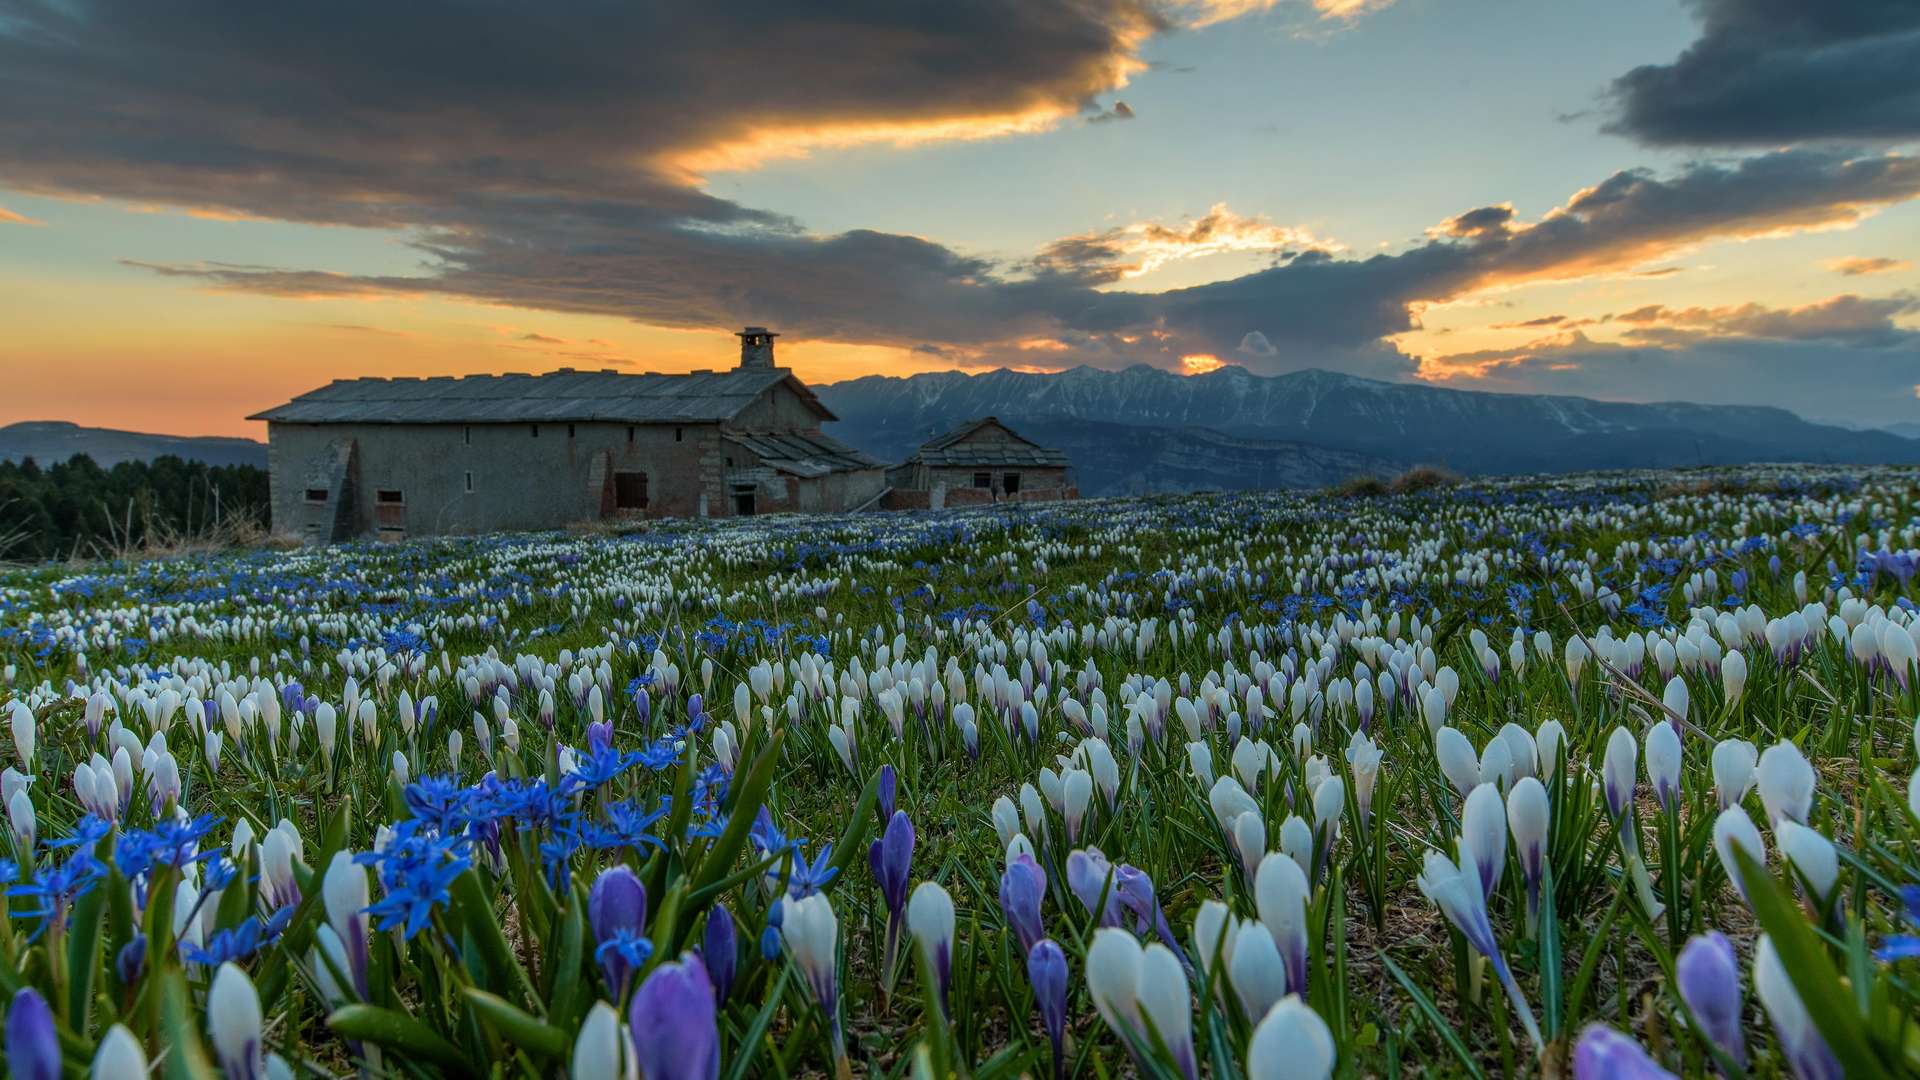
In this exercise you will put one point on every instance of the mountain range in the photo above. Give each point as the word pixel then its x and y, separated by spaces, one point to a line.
pixel 1145 429
pixel 49 441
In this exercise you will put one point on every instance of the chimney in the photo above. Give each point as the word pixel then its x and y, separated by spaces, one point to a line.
pixel 756 348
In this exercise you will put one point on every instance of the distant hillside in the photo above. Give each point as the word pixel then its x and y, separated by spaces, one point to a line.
pixel 1124 459
pixel 50 441
pixel 1470 431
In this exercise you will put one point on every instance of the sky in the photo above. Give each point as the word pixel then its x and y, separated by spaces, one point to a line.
pixel 207 208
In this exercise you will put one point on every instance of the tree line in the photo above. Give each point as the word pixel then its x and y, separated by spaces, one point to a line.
pixel 76 508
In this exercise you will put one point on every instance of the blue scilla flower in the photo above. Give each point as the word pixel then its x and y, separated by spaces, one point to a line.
pixel 171 842
pixel 242 941
pixel 810 877
pixel 440 802
pixel 416 871
pixel 770 937
pixel 55 886
pixel 1903 946
pixel 624 952
pixel 659 755
pixel 87 832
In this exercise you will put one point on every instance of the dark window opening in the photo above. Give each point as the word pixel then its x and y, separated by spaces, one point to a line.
pixel 466 435
pixel 389 496
pixel 469 483
pixel 982 480
pixel 535 429
pixel 677 432
pixel 743 503
pixel 629 491
pixel 316 495
pixel 729 462
pixel 570 431
pixel 629 432
pixel 1011 483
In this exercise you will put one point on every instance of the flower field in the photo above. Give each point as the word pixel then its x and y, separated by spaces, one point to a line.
pixel 1600 776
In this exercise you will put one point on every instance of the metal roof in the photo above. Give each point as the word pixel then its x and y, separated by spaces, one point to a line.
pixel 952 451
pixel 806 454
pixel 559 396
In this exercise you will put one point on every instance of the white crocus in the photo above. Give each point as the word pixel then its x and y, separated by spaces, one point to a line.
pixel 1290 1043
pixel 1733 768
pixel 1786 783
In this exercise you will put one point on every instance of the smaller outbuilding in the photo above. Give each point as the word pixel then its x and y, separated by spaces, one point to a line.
pixel 981 461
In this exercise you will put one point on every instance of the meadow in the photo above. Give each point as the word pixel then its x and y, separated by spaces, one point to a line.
pixel 1608 775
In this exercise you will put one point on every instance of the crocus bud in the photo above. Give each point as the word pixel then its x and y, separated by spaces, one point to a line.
pixel 1733 768
pixel 1813 858
pixel 1290 1043
pixel 1458 762
pixel 617 911
pixel 1528 818
pixel 1006 820
pixel 344 890
pixel 233 1023
pixel 1483 836
pixel 1733 675
pixel 1709 978
pixel 1618 771
pixel 1551 738
pixel 24 736
pixel 676 1031
pixel 1088 877
pixel 1280 895
pixel 1047 973
pixel 1604 1054
pixel 1799 1040
pixel 720 951
pixel 20 815
pixel 1255 969
pixel 812 934
pixel 119 1056
pixel 930 920
pixel 1663 764
pixel 597 1052
pixel 33 1049
pixel 1786 783
pixel 1023 888
pixel 1733 828
pixel 1168 1002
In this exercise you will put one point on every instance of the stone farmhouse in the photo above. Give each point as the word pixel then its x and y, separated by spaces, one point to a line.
pixel 409 457
pixel 981 461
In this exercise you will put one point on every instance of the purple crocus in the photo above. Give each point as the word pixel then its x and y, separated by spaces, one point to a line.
pixel 33 1050
pixel 720 951
pixel 1022 889
pixel 888 791
pixel 1604 1054
pixel 676 1032
pixel 599 736
pixel 617 910
pixel 1047 972
pixel 1088 872
pixel 891 858
pixel 1135 890
pixel 1709 978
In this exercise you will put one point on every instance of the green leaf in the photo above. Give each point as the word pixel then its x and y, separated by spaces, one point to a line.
pixel 470 900
pixel 186 1057
pixel 749 1047
pixel 397 1031
pixel 519 1028
pixel 1432 1014
pixel 1811 971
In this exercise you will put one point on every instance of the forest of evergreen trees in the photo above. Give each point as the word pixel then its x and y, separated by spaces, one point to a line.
pixel 78 508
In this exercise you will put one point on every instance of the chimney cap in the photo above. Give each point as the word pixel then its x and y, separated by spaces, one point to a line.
pixel 756 331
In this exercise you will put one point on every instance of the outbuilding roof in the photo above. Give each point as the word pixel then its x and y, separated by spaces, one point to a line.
pixel 954 450
pixel 559 396
pixel 804 454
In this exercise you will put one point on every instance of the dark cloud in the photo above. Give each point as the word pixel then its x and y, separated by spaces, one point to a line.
pixel 1767 72
pixel 1849 319
pixel 541 157
pixel 542 339
pixel 1544 320
pixel 1120 111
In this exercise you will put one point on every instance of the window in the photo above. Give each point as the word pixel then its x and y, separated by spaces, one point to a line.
pixel 535 429
pixel 316 495
pixel 1010 483
pixel 629 432
pixel 569 431
pixel 466 435
pixel 469 483
pixel 677 432
pixel 729 462
pixel 629 491
pixel 389 497
pixel 983 479
pixel 743 502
